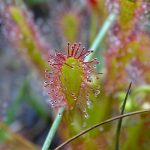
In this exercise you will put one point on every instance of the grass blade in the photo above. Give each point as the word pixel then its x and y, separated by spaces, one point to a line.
pixel 120 120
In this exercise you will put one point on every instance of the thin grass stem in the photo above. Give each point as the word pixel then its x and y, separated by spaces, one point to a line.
pixel 53 129
pixel 101 34
pixel 120 120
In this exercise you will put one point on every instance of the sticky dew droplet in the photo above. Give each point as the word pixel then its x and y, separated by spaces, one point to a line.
pixel 60 114
pixel 86 115
pixel 94 66
pixel 52 105
pixel 89 103
pixel 72 67
pixel 97 93
pixel 87 97
pixel 84 110
pixel 73 94
pixel 75 98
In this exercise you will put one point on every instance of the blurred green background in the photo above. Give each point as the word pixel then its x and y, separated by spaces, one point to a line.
pixel 30 30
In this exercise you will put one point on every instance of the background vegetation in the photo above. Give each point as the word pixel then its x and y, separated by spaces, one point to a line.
pixel 30 30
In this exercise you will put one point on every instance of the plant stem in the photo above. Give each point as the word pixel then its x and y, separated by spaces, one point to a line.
pixel 120 120
pixel 53 129
pixel 102 32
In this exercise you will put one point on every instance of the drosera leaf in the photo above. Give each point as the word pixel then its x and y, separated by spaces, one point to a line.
pixel 27 39
pixel 71 78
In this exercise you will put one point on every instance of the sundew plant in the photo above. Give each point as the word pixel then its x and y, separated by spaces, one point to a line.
pixel 75 75
pixel 72 77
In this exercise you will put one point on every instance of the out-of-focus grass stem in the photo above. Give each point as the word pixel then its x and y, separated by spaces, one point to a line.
pixel 53 129
pixel 101 34
pixel 120 120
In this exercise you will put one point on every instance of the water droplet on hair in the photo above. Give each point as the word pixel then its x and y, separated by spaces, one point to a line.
pixel 84 110
pixel 55 101
pixel 97 92
pixel 75 98
pixel 89 103
pixel 89 80
pixel 60 114
pixel 89 71
pixel 72 67
pixel 52 105
pixel 87 97
pixel 72 93
pixel 86 115
pixel 94 66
